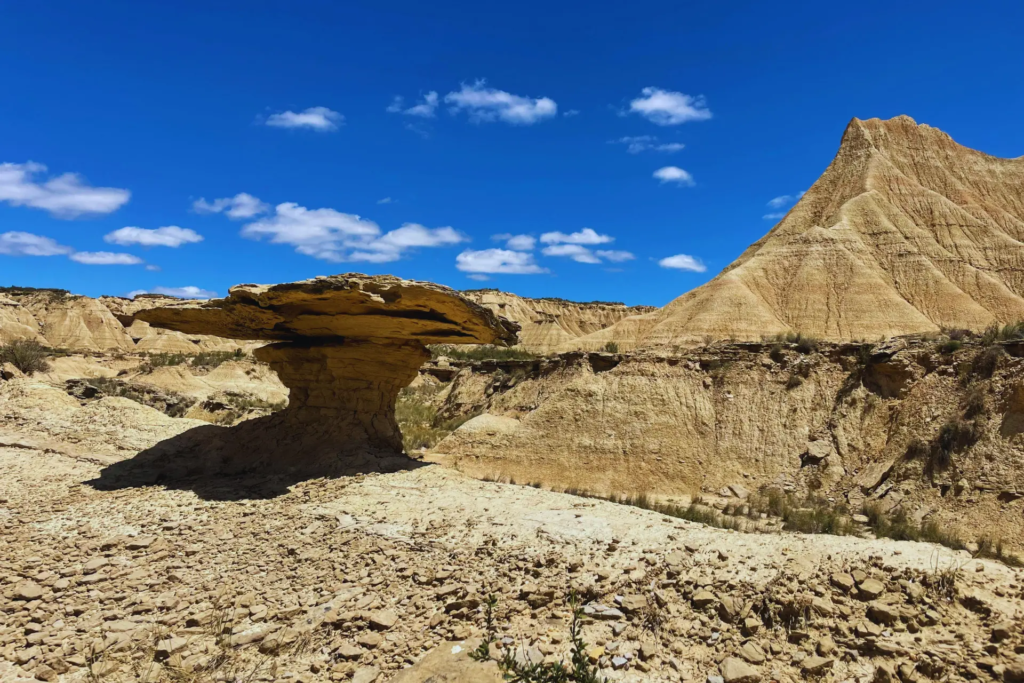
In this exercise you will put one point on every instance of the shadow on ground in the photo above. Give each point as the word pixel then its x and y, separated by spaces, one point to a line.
pixel 243 462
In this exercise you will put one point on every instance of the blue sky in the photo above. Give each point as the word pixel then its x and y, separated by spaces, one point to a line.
pixel 217 143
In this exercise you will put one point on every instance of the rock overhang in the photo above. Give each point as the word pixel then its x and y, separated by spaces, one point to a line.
pixel 326 309
pixel 345 346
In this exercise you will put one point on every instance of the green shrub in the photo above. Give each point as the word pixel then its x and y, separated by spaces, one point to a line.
pixel 162 360
pixel 950 346
pixel 1012 332
pixel 27 355
pixel 806 345
pixel 212 359
pixel 611 347
pixel 776 353
pixel 974 405
pixel 418 420
pixel 956 333
pixel 578 670
pixel 986 362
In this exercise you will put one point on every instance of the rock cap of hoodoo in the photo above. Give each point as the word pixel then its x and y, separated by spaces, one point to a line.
pixel 339 306
pixel 345 346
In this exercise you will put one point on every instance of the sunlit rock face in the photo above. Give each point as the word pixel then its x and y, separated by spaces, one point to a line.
pixel 345 346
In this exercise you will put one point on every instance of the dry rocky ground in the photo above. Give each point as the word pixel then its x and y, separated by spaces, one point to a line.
pixel 357 578
pixel 385 576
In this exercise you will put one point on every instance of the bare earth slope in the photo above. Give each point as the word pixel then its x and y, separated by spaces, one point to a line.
pixel 549 324
pixel 907 427
pixel 905 232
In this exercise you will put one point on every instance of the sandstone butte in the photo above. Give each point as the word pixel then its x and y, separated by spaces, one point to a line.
pixel 905 232
pixel 344 345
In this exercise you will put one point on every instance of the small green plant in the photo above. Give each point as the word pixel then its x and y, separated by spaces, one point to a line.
pixel 776 353
pixel 955 436
pixel 950 346
pixel 27 355
pixel 421 426
pixel 578 670
pixel 213 359
pixel 806 345
pixel 794 381
pixel 611 347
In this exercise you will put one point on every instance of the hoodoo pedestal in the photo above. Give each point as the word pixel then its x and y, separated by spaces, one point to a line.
pixel 345 346
pixel 343 394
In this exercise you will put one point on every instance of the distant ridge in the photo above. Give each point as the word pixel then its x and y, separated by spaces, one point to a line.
pixel 905 232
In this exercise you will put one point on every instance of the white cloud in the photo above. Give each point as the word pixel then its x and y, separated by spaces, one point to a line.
pixel 426 109
pixel 167 236
pixel 643 143
pixel 683 262
pixel 574 251
pixel 315 118
pixel 104 258
pixel 571 112
pixel 480 277
pixel 584 236
pixel 498 261
pixel 488 104
pixel 668 108
pixel 386 200
pixel 582 254
pixel 615 256
pixel 242 205
pixel 153 267
pixel 64 196
pixel 188 292
pixel 780 202
pixel 674 174
pixel 26 244
pixel 335 236
pixel 516 242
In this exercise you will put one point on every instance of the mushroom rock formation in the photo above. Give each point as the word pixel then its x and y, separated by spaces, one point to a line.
pixel 344 345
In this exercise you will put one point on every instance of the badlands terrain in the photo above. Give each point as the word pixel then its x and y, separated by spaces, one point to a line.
pixel 808 469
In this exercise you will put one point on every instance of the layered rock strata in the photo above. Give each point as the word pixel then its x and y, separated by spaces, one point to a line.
pixel 345 346
pixel 905 232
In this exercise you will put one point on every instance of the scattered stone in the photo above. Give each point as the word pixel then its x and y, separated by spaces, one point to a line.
pixel 735 670
pixel 383 620
pixel 704 598
pixel 752 652
pixel 870 589
pixel 366 674
pixel 815 665
pixel 28 591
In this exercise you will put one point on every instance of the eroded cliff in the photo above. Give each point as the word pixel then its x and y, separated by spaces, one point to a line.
pixel 940 434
